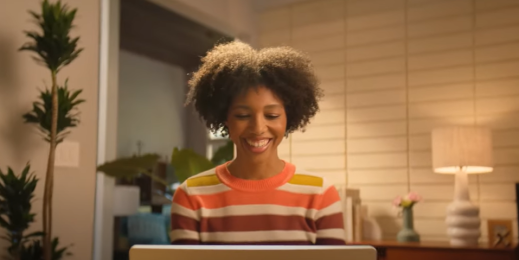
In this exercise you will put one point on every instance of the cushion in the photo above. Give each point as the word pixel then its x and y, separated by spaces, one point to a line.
pixel 148 229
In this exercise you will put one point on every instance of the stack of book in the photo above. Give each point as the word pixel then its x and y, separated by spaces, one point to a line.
pixel 353 213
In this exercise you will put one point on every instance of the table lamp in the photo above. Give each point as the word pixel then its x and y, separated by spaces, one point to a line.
pixel 462 150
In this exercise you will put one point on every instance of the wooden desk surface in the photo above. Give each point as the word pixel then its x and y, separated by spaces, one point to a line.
pixel 393 250
pixel 435 245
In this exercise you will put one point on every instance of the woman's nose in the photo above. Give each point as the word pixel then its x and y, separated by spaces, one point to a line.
pixel 258 125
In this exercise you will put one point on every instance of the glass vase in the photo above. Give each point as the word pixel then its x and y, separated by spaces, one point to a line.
pixel 407 233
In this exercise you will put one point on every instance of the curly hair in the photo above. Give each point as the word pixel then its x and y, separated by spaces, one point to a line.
pixel 232 68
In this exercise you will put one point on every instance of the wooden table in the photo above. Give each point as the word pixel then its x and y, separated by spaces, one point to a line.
pixel 392 250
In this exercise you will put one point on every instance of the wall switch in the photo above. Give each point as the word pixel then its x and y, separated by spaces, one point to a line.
pixel 67 154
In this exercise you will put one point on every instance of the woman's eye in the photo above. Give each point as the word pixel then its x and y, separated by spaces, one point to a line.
pixel 241 116
pixel 272 116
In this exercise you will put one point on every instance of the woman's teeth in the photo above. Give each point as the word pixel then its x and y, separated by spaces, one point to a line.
pixel 260 143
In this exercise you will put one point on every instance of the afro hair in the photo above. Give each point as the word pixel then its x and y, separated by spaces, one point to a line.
pixel 232 68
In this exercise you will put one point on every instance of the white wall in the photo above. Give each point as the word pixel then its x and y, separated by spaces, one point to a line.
pixel 151 106
pixel 20 80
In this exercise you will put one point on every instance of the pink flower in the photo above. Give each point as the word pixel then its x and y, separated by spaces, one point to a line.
pixel 407 201
pixel 414 197
pixel 397 201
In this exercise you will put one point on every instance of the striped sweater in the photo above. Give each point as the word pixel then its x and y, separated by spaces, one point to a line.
pixel 290 208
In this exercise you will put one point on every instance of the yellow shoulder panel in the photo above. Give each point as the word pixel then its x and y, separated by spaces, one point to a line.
pixel 207 180
pixel 308 180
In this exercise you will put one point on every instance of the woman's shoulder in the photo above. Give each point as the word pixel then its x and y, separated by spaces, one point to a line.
pixel 201 181
pixel 304 177
pixel 204 175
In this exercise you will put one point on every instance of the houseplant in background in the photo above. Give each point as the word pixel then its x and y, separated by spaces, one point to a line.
pixel 224 154
pixel 185 163
pixel 55 111
pixel 16 195
pixel 406 203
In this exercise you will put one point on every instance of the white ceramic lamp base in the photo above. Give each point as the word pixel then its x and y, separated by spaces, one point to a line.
pixel 463 222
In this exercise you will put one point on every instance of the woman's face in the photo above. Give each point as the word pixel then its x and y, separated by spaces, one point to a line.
pixel 257 122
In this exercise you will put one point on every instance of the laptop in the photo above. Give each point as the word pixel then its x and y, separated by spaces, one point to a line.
pixel 221 252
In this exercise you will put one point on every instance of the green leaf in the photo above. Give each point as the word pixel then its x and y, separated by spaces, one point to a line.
pixel 33 250
pixel 16 194
pixel 52 44
pixel 129 167
pixel 187 163
pixel 34 234
pixel 68 115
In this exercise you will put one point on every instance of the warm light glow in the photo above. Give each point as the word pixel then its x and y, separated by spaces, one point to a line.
pixel 467 169
pixel 465 149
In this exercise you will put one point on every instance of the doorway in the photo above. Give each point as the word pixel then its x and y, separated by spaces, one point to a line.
pixel 147 54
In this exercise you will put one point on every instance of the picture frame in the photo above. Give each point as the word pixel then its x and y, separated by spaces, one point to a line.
pixel 500 232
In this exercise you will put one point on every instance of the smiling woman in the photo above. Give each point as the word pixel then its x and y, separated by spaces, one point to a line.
pixel 256 123
pixel 256 98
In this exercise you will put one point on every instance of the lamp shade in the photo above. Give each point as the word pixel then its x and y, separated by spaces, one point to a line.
pixel 462 148
pixel 126 200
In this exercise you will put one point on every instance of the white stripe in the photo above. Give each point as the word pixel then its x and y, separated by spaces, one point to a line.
pixel 260 209
pixel 258 236
pixel 204 190
pixel 337 233
pixel 336 207
pixel 301 189
pixel 175 208
pixel 183 234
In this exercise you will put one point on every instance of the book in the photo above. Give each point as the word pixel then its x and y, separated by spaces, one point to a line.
pixel 352 213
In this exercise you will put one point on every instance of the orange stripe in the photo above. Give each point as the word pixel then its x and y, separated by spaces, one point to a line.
pixel 276 197
pixel 329 197
pixel 182 198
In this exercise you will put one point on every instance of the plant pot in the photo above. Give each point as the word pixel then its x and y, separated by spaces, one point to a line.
pixel 407 233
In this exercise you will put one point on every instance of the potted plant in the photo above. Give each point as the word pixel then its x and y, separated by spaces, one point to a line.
pixel 16 195
pixel 185 163
pixel 55 111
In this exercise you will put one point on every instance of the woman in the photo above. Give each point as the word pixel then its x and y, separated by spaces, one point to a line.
pixel 256 98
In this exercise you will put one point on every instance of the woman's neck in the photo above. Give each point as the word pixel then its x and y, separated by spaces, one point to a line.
pixel 249 170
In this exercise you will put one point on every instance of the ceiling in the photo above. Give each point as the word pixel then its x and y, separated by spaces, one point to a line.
pixel 150 30
pixel 262 5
